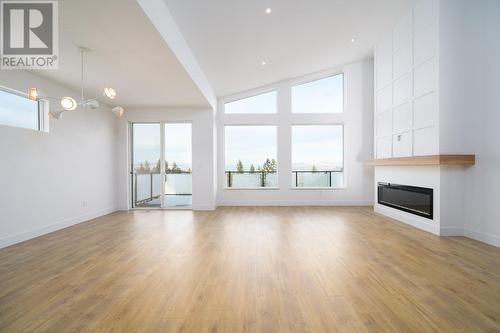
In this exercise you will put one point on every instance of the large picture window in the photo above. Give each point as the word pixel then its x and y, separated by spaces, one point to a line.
pixel 318 156
pixel 263 103
pixel 319 96
pixel 19 111
pixel 250 156
pixel 305 116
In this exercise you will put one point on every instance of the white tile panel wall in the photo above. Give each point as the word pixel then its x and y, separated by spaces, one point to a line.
pixel 384 48
pixel 424 111
pixel 384 99
pixel 402 118
pixel 424 78
pixel 406 85
pixel 425 141
pixel 424 45
pixel 402 33
pixel 402 90
pixel 384 147
pixel 384 123
pixel 384 72
pixel 402 62
pixel 401 145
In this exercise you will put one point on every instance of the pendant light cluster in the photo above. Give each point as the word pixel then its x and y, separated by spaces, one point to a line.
pixel 68 103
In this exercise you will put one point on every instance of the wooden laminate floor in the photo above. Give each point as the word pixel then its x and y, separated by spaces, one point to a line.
pixel 289 269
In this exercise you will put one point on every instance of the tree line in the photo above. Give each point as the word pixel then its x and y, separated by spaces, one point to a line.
pixel 146 168
pixel 269 166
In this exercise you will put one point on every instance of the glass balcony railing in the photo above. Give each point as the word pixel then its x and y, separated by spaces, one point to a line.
pixel 326 178
pixel 243 179
pixel 256 179
pixel 147 187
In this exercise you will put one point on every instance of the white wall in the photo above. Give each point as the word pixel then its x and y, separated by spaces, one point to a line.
pixel 482 112
pixel 358 122
pixel 469 108
pixel 52 180
pixel 202 144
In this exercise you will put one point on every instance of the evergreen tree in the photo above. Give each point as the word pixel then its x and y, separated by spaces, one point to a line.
pixel 239 167
pixel 147 169
pixel 252 169
pixel 314 168
pixel 175 168
pixel 266 165
pixel 269 166
pixel 166 166
pixel 157 167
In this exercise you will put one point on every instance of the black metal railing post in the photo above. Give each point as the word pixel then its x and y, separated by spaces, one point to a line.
pixel 229 180
pixel 328 173
pixel 151 187
pixel 135 190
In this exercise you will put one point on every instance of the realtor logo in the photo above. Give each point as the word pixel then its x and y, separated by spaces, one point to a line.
pixel 29 36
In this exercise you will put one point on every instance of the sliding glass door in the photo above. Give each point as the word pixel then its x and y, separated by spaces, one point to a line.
pixel 161 165
pixel 178 166
pixel 146 176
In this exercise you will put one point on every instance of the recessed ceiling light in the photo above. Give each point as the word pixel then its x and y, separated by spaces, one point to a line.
pixel 268 10
pixel 353 40
pixel 263 63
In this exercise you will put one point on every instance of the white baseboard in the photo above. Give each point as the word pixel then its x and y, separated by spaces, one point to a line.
pixel 451 231
pixel 482 237
pixel 406 218
pixel 294 203
pixel 204 207
pixel 26 235
pixel 443 231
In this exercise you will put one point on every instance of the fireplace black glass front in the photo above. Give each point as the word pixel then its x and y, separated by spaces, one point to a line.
pixel 411 199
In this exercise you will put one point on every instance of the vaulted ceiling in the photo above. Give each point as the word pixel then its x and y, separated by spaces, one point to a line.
pixel 231 38
pixel 127 53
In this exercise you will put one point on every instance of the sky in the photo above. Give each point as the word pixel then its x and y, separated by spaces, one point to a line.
pixel 320 96
pixel 250 144
pixel 317 145
pixel 146 143
pixel 18 111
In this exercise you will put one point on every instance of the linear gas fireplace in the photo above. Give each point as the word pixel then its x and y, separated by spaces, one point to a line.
pixel 411 199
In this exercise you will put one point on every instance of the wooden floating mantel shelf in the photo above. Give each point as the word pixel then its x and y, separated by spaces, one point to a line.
pixel 427 160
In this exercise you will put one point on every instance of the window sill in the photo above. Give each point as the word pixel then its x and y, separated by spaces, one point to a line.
pixel 251 188
pixel 318 188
